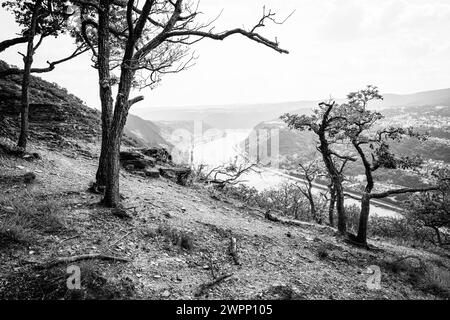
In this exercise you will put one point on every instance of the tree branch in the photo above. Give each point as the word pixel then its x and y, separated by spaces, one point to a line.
pixel 11 42
pixel 401 191
pixel 51 65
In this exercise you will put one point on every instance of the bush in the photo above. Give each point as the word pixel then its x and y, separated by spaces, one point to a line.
pixel 426 276
pixel 178 238
pixel 352 213
pixel 286 199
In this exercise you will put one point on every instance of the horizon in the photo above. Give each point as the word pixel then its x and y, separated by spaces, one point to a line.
pixel 257 103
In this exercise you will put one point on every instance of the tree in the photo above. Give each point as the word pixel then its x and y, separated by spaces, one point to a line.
pixel 371 144
pixel 323 124
pixel 142 44
pixel 432 209
pixel 310 171
pixel 38 18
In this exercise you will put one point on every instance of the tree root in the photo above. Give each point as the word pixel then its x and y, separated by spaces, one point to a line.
pixel 90 256
pixel 206 286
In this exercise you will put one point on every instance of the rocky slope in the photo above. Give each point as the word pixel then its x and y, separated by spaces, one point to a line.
pixel 61 118
pixel 176 239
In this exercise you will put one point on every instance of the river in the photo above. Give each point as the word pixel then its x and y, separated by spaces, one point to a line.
pixel 226 148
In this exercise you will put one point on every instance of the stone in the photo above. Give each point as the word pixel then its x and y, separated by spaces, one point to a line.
pixel 29 177
pixel 166 294
pixel 152 173
pixel 130 155
pixel 158 153
pixel 180 175
pixel 139 164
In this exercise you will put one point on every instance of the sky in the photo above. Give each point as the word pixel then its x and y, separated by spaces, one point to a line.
pixel 336 46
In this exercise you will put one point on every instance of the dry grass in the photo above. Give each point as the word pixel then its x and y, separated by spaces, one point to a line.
pixel 27 217
pixel 51 284
pixel 426 276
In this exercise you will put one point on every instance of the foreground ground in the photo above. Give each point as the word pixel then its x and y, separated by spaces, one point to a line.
pixel 178 240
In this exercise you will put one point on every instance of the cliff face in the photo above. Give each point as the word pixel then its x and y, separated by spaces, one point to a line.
pixel 57 115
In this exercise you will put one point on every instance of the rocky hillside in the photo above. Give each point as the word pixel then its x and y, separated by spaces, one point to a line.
pixel 173 242
pixel 60 118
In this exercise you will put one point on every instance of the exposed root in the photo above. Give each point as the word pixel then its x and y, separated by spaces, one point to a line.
pixel 91 256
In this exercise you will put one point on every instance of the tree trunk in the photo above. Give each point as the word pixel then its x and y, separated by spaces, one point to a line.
pixel 112 166
pixel 28 61
pixel 312 206
pixel 332 205
pixel 112 196
pixel 438 235
pixel 336 179
pixel 363 219
pixel 342 218
pixel 105 88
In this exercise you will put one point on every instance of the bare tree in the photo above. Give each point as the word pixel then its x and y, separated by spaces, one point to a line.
pixel 310 171
pixel 143 44
pixel 227 175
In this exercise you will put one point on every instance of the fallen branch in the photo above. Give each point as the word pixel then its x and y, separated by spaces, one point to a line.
pixel 120 239
pixel 206 286
pixel 71 238
pixel 233 251
pixel 421 263
pixel 90 256
pixel 296 223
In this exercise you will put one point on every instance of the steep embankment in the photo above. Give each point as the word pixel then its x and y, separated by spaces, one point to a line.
pixel 178 240
pixel 60 118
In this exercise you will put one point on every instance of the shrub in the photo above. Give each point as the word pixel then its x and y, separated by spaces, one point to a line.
pixel 437 281
pixel 352 213
pixel 178 238
pixel 426 276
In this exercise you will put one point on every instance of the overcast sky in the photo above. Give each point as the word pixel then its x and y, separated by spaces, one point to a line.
pixel 336 46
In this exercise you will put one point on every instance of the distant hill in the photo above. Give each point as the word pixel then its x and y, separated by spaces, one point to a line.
pixel 249 115
pixel 421 99
pixel 56 115
pixel 224 117
pixel 145 132
pixel 434 120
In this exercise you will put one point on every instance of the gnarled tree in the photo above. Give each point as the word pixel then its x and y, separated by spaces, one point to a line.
pixel 371 143
pixel 323 124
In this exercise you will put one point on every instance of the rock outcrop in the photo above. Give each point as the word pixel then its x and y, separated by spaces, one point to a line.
pixel 154 163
